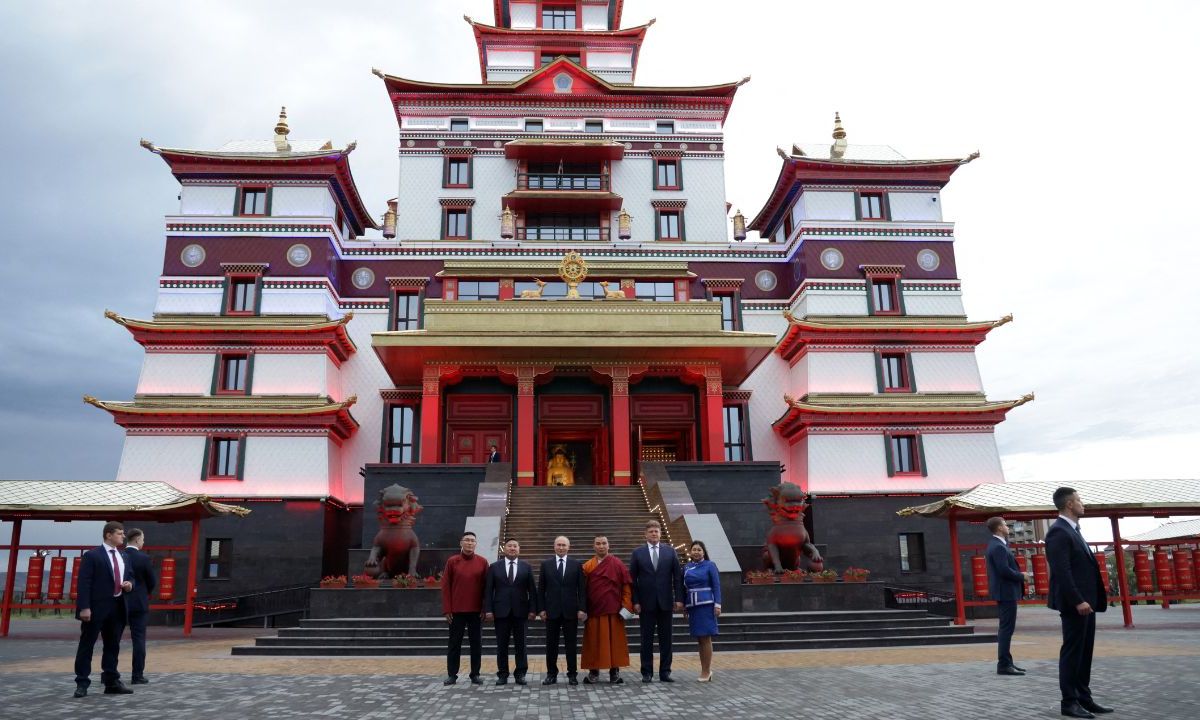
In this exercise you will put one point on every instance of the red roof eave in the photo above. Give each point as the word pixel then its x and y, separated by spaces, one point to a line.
pixel 796 421
pixel 800 334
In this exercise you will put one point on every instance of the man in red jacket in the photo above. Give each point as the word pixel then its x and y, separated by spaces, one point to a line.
pixel 462 603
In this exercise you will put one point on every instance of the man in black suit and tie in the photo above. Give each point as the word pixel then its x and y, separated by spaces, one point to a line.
pixel 138 602
pixel 510 599
pixel 1006 584
pixel 494 455
pixel 1077 592
pixel 104 580
pixel 561 597
pixel 657 595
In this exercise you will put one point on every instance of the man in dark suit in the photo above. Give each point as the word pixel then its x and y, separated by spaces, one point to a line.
pixel 1006 585
pixel 510 599
pixel 657 594
pixel 494 455
pixel 1077 592
pixel 561 597
pixel 104 579
pixel 138 603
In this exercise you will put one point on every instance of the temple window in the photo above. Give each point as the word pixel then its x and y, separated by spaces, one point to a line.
pixel 233 374
pixel 912 552
pixel 885 299
pixel 558 17
pixel 895 372
pixel 456 223
pixel 223 459
pixel 904 455
pixel 218 556
pixel 242 295
pixel 478 289
pixel 563 176
pixel 561 226
pixel 729 311
pixel 655 291
pixel 254 201
pixel 457 172
pixel 593 126
pixel 406 311
pixel 533 126
pixel 665 127
pixel 872 206
pixel 459 125
pixel 549 56
pixel 401 434
pixel 667 175
pixel 736 447
pixel 669 225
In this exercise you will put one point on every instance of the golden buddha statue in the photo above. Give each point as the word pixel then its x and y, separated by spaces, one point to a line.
pixel 560 470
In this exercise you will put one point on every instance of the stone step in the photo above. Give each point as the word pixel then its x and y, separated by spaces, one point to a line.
pixel 811 618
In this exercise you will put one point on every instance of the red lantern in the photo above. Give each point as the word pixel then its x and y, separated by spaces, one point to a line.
pixel 1183 570
pixel 166 583
pixel 58 576
pixel 1196 567
pixel 1022 563
pixel 1141 570
pixel 979 578
pixel 1041 575
pixel 1162 568
pixel 1102 561
pixel 33 579
pixel 75 576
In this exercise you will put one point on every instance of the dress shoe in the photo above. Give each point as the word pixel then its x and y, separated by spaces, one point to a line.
pixel 1018 668
pixel 139 680
pixel 117 688
pixel 520 680
pixel 1076 710
pixel 665 677
pixel 476 680
pixel 502 681
pixel 1094 707
pixel 572 681
pixel 617 680
pixel 449 681
pixel 646 677
pixel 1010 671
pixel 80 691
pixel 591 678
pixel 549 680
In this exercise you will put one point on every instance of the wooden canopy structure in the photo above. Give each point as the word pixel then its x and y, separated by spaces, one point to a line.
pixel 65 501
pixel 1113 499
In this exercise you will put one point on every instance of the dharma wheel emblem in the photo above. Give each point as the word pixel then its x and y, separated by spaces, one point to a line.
pixel 572 270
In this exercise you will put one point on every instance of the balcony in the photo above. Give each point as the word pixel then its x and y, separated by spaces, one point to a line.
pixel 581 193
pixel 560 181
pixel 560 233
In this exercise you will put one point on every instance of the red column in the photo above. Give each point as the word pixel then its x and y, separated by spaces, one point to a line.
pixel 622 470
pixel 1122 579
pixel 506 288
pixel 526 436
pixel 190 603
pixel 431 414
pixel 10 577
pixel 713 427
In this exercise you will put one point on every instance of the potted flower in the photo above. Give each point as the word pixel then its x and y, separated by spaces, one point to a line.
pixel 825 576
pixel 793 576
pixel 433 581
pixel 760 577
pixel 855 574
pixel 404 581
pixel 333 581
pixel 365 581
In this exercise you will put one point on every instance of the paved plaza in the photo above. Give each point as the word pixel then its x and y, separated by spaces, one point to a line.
pixel 1151 671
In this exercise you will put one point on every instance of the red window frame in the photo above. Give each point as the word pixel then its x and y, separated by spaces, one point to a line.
pixel 659 164
pixel 266 200
pixel 903 364
pixel 448 172
pixel 222 378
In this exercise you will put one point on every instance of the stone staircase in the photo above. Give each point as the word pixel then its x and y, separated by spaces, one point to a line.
pixel 739 632
pixel 537 515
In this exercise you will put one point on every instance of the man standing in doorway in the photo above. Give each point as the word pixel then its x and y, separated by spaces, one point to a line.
pixel 494 454
pixel 104 580
pixel 462 603
pixel 1077 592
pixel 657 595
pixel 1006 584
pixel 561 596
pixel 138 603
pixel 510 600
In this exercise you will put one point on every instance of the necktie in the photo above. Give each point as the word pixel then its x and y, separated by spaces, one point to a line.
pixel 511 576
pixel 116 573
pixel 561 571
pixel 654 556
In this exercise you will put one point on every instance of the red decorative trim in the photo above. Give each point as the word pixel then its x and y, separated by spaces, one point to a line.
pixel 802 336
pixel 882 270
pixel 665 153
pixel 331 335
pixel 412 396
pixel 738 396
pixel 722 283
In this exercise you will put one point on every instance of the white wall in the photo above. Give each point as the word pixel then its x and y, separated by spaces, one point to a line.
pixel 206 199
pixel 305 301
pixel 177 460
pixel 915 206
pixel 188 301
pixel 832 302
pixel 599 59
pixel 595 17
pixel 290 374
pixel 931 302
pixel 961 461
pixel 363 375
pixel 844 462
pixel 858 463
pixel 842 372
pixel 510 59
pixel 419 212
pixel 286 466
pixel 826 205
pixel 522 15
pixel 302 202
pixel 177 373
pixel 703 188
pixel 946 372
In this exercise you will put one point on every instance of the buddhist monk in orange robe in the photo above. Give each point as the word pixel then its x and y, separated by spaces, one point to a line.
pixel 609 589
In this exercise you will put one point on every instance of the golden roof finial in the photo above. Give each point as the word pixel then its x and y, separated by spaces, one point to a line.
pixel 838 148
pixel 281 132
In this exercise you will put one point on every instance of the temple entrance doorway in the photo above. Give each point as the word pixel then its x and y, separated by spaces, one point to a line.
pixel 573 445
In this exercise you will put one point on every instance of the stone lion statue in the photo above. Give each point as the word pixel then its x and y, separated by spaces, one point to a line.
pixel 395 549
pixel 788 545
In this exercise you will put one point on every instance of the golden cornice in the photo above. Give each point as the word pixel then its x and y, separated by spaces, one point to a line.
pixel 225 405
pixel 893 322
pixel 596 268
pixel 893 403
pixel 230 322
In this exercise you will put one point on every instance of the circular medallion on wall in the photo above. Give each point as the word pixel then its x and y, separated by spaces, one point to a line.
pixel 712 146
pixel 831 259
pixel 441 143
pixel 765 280
pixel 658 146
pixel 683 146
pixel 628 146
pixel 410 143
pixel 192 255
pixel 466 143
pixel 299 255
pixel 363 278
pixel 496 143
pixel 928 260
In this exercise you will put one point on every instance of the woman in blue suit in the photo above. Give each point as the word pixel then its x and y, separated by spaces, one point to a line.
pixel 703 585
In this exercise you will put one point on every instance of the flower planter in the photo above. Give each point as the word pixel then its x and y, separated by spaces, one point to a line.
pixel 791 579
pixel 823 579
pixel 857 578
pixel 761 580
pixel 333 584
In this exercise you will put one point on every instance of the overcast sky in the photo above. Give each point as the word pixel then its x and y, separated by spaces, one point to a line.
pixel 1077 218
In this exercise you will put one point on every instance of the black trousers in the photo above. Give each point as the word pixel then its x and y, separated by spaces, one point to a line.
pixel 656 622
pixel 1075 656
pixel 569 629
pixel 137 634
pixel 470 623
pixel 1008 624
pixel 511 628
pixel 110 627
